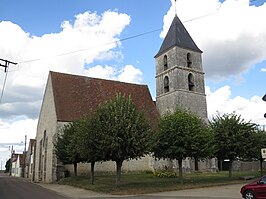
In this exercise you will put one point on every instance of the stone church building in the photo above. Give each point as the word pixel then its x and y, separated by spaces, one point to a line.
pixel 179 82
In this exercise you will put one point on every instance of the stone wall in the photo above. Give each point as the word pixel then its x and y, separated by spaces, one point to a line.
pixel 46 131
pixel 142 164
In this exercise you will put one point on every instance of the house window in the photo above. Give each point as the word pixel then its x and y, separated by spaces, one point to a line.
pixel 166 84
pixel 189 61
pixel 165 64
pixel 191 85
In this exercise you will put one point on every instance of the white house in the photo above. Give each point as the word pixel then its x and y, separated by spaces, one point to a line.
pixel 18 162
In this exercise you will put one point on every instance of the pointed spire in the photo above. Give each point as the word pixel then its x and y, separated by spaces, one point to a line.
pixel 177 36
pixel 175 8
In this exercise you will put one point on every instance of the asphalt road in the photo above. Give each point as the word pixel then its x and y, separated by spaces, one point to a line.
pixel 19 188
pixel 15 188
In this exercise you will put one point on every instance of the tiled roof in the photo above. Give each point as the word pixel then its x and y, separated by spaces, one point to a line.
pixel 77 96
pixel 177 36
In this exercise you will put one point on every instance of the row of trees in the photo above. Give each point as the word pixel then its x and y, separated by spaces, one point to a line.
pixel 116 131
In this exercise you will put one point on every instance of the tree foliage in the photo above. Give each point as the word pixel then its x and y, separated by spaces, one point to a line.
pixel 258 140
pixel 66 148
pixel 90 145
pixel 182 134
pixel 126 133
pixel 8 166
pixel 232 136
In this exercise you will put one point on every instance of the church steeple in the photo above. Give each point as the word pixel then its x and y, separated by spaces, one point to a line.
pixel 179 73
pixel 177 36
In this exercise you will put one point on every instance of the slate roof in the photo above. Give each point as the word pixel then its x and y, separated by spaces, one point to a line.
pixel 77 96
pixel 177 36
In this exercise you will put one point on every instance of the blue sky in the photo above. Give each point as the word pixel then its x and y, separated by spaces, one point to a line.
pixel 232 40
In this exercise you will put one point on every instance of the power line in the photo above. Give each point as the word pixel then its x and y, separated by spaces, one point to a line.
pixel 124 39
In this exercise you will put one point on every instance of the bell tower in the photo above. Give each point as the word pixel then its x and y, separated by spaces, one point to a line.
pixel 179 73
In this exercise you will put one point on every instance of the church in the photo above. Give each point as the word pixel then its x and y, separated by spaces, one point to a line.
pixel 67 97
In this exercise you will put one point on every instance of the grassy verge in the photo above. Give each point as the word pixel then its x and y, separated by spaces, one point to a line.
pixel 140 183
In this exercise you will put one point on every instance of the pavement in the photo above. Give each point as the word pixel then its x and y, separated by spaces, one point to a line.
pixel 225 191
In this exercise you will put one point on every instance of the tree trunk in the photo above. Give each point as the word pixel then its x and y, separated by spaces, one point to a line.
pixel 180 170
pixel 118 173
pixel 196 164
pixel 75 169
pixel 92 172
pixel 230 168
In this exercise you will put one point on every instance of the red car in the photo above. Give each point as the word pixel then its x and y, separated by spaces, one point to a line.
pixel 256 189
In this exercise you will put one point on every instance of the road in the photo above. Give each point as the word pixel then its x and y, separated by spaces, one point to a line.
pixel 19 188
pixel 15 188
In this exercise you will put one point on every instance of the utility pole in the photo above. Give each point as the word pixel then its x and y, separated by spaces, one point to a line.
pixel 24 167
pixel 11 160
pixel 6 63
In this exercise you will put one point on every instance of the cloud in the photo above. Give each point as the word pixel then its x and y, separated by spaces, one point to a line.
pixel 89 37
pixel 11 132
pixel 263 70
pixel 220 102
pixel 232 37
pixel 128 73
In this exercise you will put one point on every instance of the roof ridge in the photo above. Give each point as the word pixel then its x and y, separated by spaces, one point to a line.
pixel 97 78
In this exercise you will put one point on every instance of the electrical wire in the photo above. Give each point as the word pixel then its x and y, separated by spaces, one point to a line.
pixel 123 39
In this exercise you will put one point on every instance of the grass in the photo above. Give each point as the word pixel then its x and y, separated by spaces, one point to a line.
pixel 146 182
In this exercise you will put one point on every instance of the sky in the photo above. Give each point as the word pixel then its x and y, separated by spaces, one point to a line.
pixel 118 40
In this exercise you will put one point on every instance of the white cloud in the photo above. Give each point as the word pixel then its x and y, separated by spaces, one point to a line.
pixel 88 34
pixel 128 73
pixel 263 70
pixel 104 72
pixel 220 101
pixel 233 39
pixel 11 132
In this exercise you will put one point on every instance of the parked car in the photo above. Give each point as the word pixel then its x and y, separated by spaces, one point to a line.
pixel 255 190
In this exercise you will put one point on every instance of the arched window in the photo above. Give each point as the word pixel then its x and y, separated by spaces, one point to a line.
pixel 166 84
pixel 189 61
pixel 191 85
pixel 165 64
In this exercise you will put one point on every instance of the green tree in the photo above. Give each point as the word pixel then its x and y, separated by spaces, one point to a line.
pixel 181 134
pixel 8 165
pixel 232 137
pixel 66 146
pixel 90 142
pixel 202 146
pixel 258 142
pixel 126 133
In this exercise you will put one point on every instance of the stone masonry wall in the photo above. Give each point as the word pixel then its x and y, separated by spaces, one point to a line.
pixel 44 141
